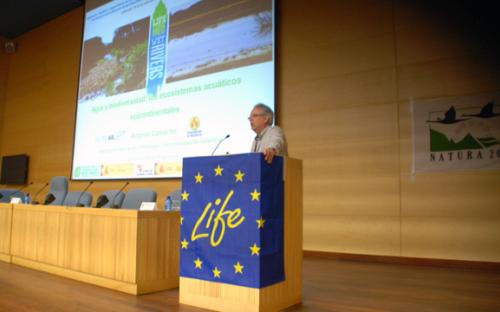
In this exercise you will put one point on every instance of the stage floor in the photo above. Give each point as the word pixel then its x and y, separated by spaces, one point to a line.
pixel 329 285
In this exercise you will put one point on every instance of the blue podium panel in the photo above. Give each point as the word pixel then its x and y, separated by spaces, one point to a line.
pixel 232 220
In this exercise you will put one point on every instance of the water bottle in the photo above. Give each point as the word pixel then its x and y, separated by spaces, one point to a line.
pixel 27 198
pixel 168 204
pixel 176 205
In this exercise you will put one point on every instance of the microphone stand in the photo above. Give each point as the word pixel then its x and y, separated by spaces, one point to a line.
pixel 34 198
pixel 217 146
pixel 81 194
pixel 112 205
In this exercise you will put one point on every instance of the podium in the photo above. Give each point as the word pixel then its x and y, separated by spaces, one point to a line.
pixel 241 233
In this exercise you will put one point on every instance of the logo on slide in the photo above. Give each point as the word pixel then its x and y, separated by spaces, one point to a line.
pixel 157 55
pixel 194 125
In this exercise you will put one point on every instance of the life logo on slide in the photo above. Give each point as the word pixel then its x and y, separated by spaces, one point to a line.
pixel 194 125
pixel 157 55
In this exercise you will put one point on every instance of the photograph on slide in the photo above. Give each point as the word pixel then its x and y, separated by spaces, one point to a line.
pixel 204 37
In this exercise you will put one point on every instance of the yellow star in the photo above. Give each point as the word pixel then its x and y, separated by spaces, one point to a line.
pixel 239 176
pixel 198 177
pixel 184 244
pixel 218 171
pixel 182 219
pixel 216 272
pixel 255 195
pixel 198 263
pixel 238 268
pixel 260 222
pixel 255 250
pixel 185 195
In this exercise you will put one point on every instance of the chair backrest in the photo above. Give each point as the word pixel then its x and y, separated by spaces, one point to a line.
pixel 113 197
pixel 59 189
pixel 136 197
pixel 7 194
pixel 176 197
pixel 72 199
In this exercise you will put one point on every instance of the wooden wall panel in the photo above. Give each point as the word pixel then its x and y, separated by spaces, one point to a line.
pixel 375 235
pixel 337 106
pixel 347 71
pixel 4 71
pixel 40 113
pixel 345 90
pixel 449 237
pixel 451 215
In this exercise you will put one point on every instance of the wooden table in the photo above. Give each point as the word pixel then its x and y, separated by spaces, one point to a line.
pixel 131 251
pixel 5 231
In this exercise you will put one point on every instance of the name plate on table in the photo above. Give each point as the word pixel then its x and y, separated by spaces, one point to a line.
pixel 148 206
pixel 16 200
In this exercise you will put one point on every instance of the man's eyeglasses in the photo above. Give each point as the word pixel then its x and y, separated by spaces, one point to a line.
pixel 255 115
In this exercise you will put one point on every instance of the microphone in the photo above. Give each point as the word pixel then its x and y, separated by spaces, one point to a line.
pixel 19 190
pixel 49 199
pixel 34 198
pixel 81 194
pixel 101 201
pixel 112 205
pixel 217 146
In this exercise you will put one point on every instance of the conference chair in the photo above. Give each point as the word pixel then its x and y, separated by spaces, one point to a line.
pixel 135 197
pixel 7 194
pixel 110 199
pixel 77 199
pixel 58 191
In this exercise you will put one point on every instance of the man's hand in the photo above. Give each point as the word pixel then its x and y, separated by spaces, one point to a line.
pixel 269 154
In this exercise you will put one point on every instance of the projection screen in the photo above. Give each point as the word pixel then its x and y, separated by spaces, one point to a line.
pixel 165 79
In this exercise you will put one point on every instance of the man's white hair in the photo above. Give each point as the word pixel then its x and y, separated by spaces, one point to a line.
pixel 267 111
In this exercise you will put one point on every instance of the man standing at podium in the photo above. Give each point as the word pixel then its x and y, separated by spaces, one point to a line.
pixel 270 139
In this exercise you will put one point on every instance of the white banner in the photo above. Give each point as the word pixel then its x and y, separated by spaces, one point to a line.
pixel 459 133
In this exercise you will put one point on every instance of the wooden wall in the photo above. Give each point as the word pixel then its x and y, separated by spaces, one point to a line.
pixel 445 49
pixel 347 71
pixel 4 69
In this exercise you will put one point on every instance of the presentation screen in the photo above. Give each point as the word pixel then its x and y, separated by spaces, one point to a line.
pixel 165 79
